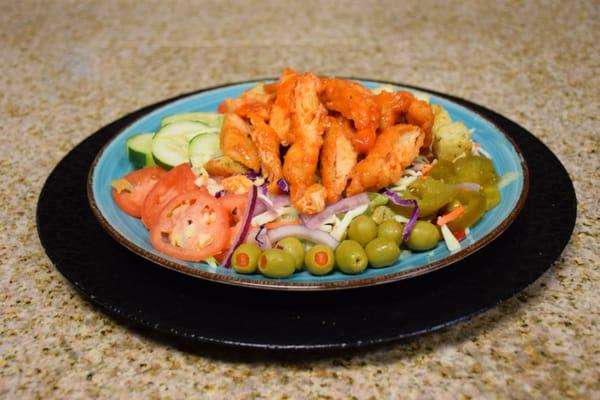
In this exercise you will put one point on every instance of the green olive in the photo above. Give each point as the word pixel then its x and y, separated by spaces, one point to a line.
pixel 492 195
pixel 350 257
pixel 376 200
pixel 382 252
pixel 475 169
pixel 474 204
pixel 382 213
pixel 319 260
pixel 391 229
pixel 295 248
pixel 424 236
pixel 276 263
pixel 362 229
pixel 245 258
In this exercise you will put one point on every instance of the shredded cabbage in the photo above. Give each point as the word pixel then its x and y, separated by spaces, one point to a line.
pixel 340 228
pixel 269 216
pixel 204 180
pixel 329 223
pixel 508 178
pixel 451 242
pixel 212 262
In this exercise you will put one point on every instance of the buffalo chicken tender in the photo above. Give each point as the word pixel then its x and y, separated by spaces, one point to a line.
pixel 395 149
pixel 236 142
pixel 338 157
pixel 302 158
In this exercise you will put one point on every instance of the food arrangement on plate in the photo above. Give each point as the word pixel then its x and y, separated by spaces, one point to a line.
pixel 308 173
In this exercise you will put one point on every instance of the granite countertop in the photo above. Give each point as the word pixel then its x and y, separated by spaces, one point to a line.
pixel 68 68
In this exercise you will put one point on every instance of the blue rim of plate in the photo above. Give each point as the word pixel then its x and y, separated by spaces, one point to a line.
pixel 112 163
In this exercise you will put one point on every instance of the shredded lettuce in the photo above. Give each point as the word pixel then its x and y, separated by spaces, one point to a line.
pixel 340 228
pixel 212 262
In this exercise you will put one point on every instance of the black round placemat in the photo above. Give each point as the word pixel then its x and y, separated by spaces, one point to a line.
pixel 133 288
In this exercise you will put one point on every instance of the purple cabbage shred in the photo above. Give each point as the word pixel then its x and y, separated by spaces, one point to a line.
pixel 395 198
pixel 283 185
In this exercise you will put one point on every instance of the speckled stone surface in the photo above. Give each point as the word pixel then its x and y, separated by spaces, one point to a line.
pixel 70 67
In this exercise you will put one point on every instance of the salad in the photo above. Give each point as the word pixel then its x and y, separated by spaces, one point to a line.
pixel 308 173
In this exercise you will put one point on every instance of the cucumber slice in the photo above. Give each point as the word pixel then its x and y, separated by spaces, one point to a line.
pixel 139 150
pixel 209 118
pixel 204 147
pixel 170 143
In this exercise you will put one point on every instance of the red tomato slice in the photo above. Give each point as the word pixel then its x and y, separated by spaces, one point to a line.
pixel 220 257
pixel 191 227
pixel 233 231
pixel 175 182
pixel 235 205
pixel 142 180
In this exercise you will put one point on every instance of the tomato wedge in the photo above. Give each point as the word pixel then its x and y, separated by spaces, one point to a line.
pixel 191 227
pixel 233 231
pixel 175 182
pixel 235 205
pixel 142 182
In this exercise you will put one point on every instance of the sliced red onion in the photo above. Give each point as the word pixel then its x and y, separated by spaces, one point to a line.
pixel 266 201
pixel 262 238
pixel 219 194
pixel 470 186
pixel 316 220
pixel 259 237
pixel 395 198
pixel 246 218
pixel 283 185
pixel 302 232
pixel 271 204
pixel 280 200
pixel 259 209
pixel 251 236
